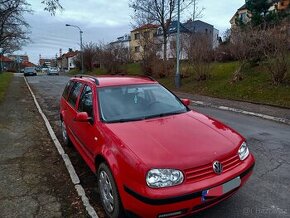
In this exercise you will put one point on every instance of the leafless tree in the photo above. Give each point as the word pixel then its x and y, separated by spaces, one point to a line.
pixel 113 56
pixel 246 47
pixel 160 12
pixel 52 6
pixel 275 42
pixel 200 55
pixel 13 27
pixel 197 11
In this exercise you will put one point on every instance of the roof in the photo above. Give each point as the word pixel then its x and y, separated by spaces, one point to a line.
pixel 70 54
pixel 5 59
pixel 107 80
pixel 145 27
pixel 243 7
pixel 28 64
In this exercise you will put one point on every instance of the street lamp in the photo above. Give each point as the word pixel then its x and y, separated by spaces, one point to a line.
pixel 1 56
pixel 81 45
pixel 177 75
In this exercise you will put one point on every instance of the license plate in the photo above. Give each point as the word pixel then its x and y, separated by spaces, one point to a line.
pixel 221 189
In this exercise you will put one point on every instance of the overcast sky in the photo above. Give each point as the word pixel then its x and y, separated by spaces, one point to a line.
pixel 101 20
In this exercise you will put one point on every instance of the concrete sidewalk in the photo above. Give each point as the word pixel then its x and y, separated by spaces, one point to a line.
pixel 278 112
pixel 33 179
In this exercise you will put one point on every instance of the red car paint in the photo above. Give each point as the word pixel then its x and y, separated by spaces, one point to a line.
pixel 189 142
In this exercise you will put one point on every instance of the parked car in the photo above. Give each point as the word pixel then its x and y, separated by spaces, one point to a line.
pixel 152 155
pixel 44 70
pixel 30 71
pixel 52 71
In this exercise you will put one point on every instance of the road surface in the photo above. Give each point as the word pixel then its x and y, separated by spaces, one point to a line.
pixel 265 195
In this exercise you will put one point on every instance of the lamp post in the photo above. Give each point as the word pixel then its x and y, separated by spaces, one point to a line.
pixel 81 45
pixel 1 56
pixel 177 75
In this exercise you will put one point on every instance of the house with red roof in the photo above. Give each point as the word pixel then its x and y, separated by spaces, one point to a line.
pixel 6 63
pixel 141 37
pixel 67 61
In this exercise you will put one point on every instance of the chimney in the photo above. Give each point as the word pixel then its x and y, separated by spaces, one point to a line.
pixel 60 52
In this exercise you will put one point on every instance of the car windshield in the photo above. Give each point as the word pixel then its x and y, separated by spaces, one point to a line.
pixel 137 102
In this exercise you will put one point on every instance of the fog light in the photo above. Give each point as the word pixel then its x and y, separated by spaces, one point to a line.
pixel 171 214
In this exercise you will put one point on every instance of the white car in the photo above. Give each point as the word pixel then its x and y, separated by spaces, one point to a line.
pixel 52 71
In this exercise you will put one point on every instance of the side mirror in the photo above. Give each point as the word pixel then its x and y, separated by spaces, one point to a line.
pixel 186 101
pixel 82 117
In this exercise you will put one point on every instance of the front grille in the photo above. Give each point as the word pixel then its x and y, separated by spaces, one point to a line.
pixel 206 171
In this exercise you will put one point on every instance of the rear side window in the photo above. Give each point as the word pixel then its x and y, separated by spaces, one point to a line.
pixel 86 101
pixel 74 93
pixel 67 88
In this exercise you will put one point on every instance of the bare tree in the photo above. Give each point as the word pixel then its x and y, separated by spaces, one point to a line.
pixel 246 47
pixel 160 12
pixel 197 11
pixel 52 6
pixel 13 27
pixel 113 57
pixel 275 42
pixel 200 55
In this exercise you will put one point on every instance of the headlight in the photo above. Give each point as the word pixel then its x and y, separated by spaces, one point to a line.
pixel 159 178
pixel 243 151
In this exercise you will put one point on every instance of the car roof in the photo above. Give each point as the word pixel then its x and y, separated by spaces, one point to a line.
pixel 107 80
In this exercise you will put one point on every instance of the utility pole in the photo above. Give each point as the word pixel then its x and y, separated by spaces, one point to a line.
pixel 177 75
pixel 81 45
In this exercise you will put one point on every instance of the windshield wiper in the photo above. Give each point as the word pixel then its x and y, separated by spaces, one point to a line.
pixel 163 114
pixel 125 120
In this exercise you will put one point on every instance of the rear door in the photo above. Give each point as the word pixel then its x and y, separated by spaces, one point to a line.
pixel 71 110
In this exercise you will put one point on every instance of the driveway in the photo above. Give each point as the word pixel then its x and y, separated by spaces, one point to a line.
pixel 265 195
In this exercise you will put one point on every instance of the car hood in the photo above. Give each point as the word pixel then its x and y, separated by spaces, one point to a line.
pixel 188 139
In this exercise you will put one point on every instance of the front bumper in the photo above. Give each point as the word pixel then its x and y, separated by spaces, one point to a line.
pixel 184 204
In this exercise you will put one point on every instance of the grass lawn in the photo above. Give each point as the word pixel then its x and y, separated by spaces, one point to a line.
pixel 5 79
pixel 255 87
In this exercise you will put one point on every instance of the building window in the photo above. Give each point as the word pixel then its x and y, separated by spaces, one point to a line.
pixel 137 49
pixel 146 35
pixel 172 45
pixel 206 30
pixel 243 17
pixel 137 36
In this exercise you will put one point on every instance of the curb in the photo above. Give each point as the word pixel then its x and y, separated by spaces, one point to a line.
pixel 73 175
pixel 220 107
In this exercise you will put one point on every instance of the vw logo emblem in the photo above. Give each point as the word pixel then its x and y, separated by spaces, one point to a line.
pixel 217 167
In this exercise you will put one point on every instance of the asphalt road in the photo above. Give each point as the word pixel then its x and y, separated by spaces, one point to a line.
pixel 265 195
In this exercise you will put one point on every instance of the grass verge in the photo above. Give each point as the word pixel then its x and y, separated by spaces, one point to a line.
pixel 5 79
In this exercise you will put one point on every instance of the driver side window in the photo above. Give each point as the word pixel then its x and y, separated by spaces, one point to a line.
pixel 86 101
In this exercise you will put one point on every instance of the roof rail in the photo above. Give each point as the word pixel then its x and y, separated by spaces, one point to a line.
pixel 148 77
pixel 88 76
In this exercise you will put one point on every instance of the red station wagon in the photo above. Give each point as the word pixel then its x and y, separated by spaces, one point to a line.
pixel 153 156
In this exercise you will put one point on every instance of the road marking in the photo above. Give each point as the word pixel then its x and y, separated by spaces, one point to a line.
pixel 267 117
pixel 73 175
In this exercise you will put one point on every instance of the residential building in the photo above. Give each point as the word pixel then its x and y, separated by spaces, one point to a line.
pixel 19 58
pixel 205 29
pixel 140 38
pixel 67 61
pixel 6 63
pixel 171 41
pixel 46 62
pixel 244 15
pixel 190 27
pixel 123 41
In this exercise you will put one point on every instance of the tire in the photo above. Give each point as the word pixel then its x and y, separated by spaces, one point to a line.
pixel 66 141
pixel 108 192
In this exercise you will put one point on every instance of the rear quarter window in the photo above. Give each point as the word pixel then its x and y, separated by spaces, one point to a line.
pixel 74 93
